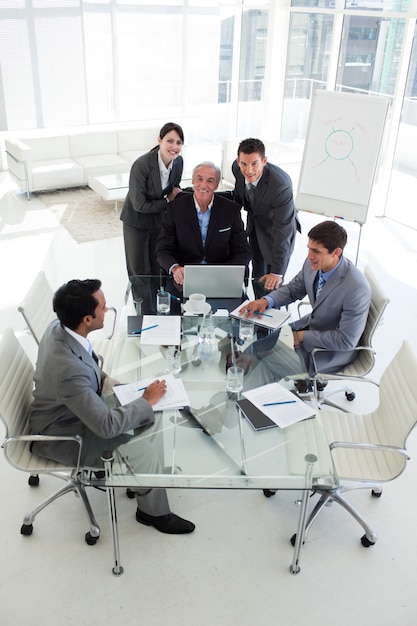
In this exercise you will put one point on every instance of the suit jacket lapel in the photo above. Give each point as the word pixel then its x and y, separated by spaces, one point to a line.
pixel 154 171
pixel 193 222
pixel 81 353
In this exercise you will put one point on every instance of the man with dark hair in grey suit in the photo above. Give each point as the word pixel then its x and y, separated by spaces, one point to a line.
pixel 339 295
pixel 68 400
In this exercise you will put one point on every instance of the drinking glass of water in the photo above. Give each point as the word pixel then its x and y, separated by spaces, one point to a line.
pixel 246 330
pixel 163 302
pixel 173 361
pixel 234 382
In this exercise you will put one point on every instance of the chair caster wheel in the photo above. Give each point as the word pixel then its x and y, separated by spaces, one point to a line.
pixel 130 494
pixel 376 494
pixel 26 529
pixel 350 395
pixel 90 540
pixel 33 481
pixel 268 493
pixel 366 543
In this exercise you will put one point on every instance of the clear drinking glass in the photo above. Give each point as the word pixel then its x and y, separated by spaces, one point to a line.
pixel 206 336
pixel 234 379
pixel 173 361
pixel 163 302
pixel 246 330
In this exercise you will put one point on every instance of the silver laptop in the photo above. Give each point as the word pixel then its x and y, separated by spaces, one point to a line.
pixel 215 281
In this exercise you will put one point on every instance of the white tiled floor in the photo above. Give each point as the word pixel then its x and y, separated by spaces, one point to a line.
pixel 234 568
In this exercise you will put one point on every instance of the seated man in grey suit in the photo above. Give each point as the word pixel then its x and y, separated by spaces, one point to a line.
pixel 201 227
pixel 68 400
pixel 339 295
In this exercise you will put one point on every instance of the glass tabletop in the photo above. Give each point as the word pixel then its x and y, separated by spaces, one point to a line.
pixel 114 181
pixel 208 443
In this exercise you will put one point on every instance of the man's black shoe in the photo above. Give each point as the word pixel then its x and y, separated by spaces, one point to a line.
pixel 171 524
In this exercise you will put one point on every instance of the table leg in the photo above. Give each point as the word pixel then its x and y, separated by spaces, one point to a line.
pixel 310 459
pixel 108 459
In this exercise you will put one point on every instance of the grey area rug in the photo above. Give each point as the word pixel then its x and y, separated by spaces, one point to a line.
pixel 85 215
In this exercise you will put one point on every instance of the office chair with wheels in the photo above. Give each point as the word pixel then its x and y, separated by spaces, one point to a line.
pixel 36 309
pixel 365 359
pixel 370 449
pixel 16 386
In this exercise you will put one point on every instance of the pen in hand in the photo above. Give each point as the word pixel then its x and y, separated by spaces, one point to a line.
pixel 276 403
pixel 263 314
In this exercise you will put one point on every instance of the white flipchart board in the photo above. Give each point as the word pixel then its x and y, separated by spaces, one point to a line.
pixel 341 153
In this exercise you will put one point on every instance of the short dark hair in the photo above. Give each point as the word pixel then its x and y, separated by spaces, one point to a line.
pixel 75 300
pixel 166 128
pixel 250 145
pixel 329 234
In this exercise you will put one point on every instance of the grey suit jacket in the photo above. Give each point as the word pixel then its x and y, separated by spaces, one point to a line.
pixel 145 202
pixel 273 217
pixel 67 398
pixel 338 316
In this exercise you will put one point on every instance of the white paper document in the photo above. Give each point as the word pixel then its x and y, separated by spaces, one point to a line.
pixel 271 318
pixel 176 396
pixel 279 404
pixel 161 330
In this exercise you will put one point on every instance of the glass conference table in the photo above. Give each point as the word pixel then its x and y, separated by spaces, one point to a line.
pixel 208 444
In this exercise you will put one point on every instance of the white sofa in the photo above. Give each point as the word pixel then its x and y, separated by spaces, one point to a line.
pixel 42 161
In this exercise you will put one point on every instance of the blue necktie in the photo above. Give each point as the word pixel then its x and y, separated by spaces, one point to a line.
pixel 320 283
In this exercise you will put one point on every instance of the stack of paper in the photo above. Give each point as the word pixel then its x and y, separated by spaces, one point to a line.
pixel 279 404
pixel 271 318
pixel 160 330
pixel 176 396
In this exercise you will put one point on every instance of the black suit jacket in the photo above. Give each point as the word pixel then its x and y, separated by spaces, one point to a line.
pixel 145 202
pixel 180 237
pixel 273 218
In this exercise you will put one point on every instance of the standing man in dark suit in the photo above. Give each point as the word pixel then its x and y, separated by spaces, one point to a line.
pixel 68 400
pixel 202 227
pixel 265 191
pixel 154 182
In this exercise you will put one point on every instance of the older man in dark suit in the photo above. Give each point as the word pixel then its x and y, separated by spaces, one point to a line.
pixel 265 191
pixel 202 227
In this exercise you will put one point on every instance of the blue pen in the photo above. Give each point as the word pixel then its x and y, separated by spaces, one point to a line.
pixel 137 332
pixel 263 314
pixel 141 389
pixel 276 403
pixel 175 297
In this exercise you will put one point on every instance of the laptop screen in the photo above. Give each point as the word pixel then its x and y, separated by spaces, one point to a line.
pixel 215 281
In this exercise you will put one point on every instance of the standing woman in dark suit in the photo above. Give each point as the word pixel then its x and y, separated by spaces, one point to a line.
pixel 154 181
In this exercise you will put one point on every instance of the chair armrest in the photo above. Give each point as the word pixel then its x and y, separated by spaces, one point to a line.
pixel 76 438
pixel 301 304
pixel 19 162
pixel 369 446
pixel 316 350
pixel 17 150
pixel 112 308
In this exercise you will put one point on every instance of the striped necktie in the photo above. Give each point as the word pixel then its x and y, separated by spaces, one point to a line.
pixel 249 192
pixel 91 351
pixel 320 283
